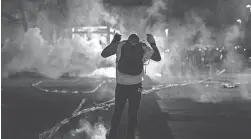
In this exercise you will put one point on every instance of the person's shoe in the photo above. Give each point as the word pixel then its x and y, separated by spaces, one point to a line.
pixel 136 134
pixel 108 136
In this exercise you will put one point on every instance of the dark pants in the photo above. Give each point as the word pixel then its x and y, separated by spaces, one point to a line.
pixel 122 93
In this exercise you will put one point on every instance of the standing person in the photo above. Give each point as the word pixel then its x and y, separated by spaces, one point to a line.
pixel 131 54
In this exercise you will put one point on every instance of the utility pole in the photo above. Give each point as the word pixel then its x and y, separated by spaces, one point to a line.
pixel 21 8
pixel 108 37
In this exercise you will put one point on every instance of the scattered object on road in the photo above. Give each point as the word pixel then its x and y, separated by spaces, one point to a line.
pixel 229 85
pixel 221 72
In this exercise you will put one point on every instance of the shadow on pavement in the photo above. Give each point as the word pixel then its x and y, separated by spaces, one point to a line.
pixel 152 122
pixel 30 112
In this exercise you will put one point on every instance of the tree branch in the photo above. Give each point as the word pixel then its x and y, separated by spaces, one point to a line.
pixel 21 8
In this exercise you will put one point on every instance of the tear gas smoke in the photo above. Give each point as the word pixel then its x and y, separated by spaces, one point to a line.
pixel 82 56
pixel 48 50
pixel 96 131
pixel 45 50
pixel 34 53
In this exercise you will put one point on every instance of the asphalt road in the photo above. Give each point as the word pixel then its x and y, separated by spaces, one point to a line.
pixel 172 113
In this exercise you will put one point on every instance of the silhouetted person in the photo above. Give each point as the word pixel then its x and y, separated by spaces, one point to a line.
pixel 131 54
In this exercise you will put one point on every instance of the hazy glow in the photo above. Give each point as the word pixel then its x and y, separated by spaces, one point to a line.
pixel 166 31
pixel 80 55
pixel 249 6
pixel 46 51
pixel 239 21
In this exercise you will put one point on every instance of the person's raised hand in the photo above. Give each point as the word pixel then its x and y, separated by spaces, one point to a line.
pixel 150 38
pixel 116 38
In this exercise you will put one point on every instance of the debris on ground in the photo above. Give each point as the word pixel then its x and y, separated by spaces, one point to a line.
pixel 229 85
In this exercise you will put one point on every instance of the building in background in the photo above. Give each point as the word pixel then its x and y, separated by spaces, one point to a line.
pixel 105 33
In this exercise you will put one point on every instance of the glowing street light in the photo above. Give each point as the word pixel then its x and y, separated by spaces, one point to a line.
pixel 239 21
pixel 221 56
pixel 249 6
pixel 166 31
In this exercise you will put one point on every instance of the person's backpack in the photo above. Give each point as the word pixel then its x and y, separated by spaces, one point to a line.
pixel 130 61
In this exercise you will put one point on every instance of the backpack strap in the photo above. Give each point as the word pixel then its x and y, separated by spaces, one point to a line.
pixel 119 48
pixel 146 62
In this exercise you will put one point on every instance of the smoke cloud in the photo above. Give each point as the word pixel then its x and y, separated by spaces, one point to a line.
pixel 85 129
pixel 48 50
pixel 96 131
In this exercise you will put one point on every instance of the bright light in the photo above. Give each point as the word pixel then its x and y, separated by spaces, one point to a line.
pixel 245 49
pixel 249 6
pixel 239 21
pixel 235 47
pixel 166 31
pixel 199 49
pixel 158 75
pixel 217 49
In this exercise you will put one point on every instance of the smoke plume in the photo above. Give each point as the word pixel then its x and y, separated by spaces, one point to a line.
pixel 48 50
